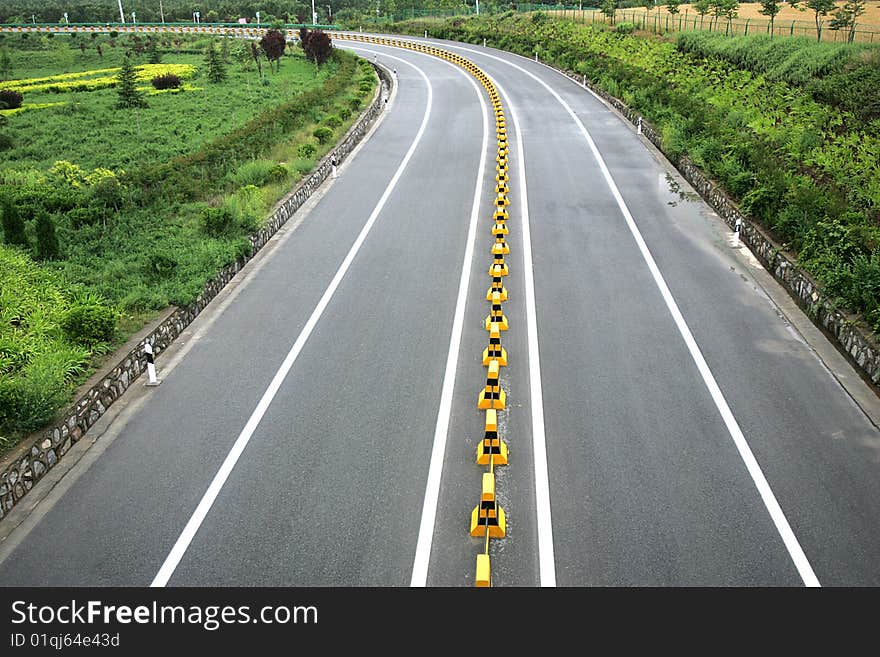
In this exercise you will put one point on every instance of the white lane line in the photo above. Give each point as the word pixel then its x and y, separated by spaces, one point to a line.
pixel 189 531
pixel 441 429
pixel 546 556
pixel 794 548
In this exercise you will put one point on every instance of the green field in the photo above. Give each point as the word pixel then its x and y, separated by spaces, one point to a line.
pixel 147 204
pixel 83 129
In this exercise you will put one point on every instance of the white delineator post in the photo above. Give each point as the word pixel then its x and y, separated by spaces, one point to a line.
pixel 736 228
pixel 152 380
pixel 639 125
pixel 333 165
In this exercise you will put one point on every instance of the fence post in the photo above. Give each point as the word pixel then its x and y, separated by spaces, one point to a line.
pixel 792 29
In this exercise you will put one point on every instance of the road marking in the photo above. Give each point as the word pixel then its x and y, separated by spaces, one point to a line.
pixel 546 557
pixel 795 551
pixel 192 526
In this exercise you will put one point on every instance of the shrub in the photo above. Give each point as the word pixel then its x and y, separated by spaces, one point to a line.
pixel 167 81
pixel 6 142
pixel 625 28
pixel 161 264
pixel 13 225
pixel 10 99
pixel 255 172
pixel 217 221
pixel 31 399
pixel 89 324
pixel 306 150
pixel 355 103
pixel 86 215
pixel 345 113
pixel 246 207
pixel 47 240
pixel 107 192
pixel 278 173
pixel 323 135
pixel 333 121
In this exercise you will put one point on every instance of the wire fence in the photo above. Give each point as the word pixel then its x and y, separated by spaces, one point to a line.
pixel 661 22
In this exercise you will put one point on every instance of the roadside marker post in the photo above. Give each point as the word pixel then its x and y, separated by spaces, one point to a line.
pixel 152 379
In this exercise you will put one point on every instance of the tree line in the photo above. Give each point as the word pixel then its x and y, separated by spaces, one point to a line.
pixel 842 18
pixel 210 11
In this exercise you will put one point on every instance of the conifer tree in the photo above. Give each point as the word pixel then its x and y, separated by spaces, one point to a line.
pixel 214 62
pixel 126 80
pixel 13 225
pixel 47 241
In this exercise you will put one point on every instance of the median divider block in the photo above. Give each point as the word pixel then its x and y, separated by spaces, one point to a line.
pixel 500 229
pixel 495 351
pixel 492 396
pixel 488 517
pixel 492 450
pixel 483 577
pixel 496 315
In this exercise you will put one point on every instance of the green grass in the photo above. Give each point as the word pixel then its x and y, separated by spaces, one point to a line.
pixel 796 60
pixel 87 131
pixel 37 360
pixel 129 191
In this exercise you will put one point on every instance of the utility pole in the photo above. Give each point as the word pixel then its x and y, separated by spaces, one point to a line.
pixel 161 12
pixel 121 13
pixel 314 14
pixel 478 7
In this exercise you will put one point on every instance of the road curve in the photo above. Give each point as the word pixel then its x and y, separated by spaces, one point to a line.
pixel 647 485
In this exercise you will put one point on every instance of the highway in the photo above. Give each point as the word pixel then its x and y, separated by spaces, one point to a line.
pixel 668 425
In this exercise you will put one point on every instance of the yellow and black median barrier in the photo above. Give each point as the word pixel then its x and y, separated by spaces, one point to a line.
pixel 488 519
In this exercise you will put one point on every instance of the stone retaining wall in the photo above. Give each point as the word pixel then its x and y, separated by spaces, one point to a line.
pixel 854 339
pixel 26 465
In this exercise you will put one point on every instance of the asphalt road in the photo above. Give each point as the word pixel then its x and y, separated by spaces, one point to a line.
pixel 647 485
